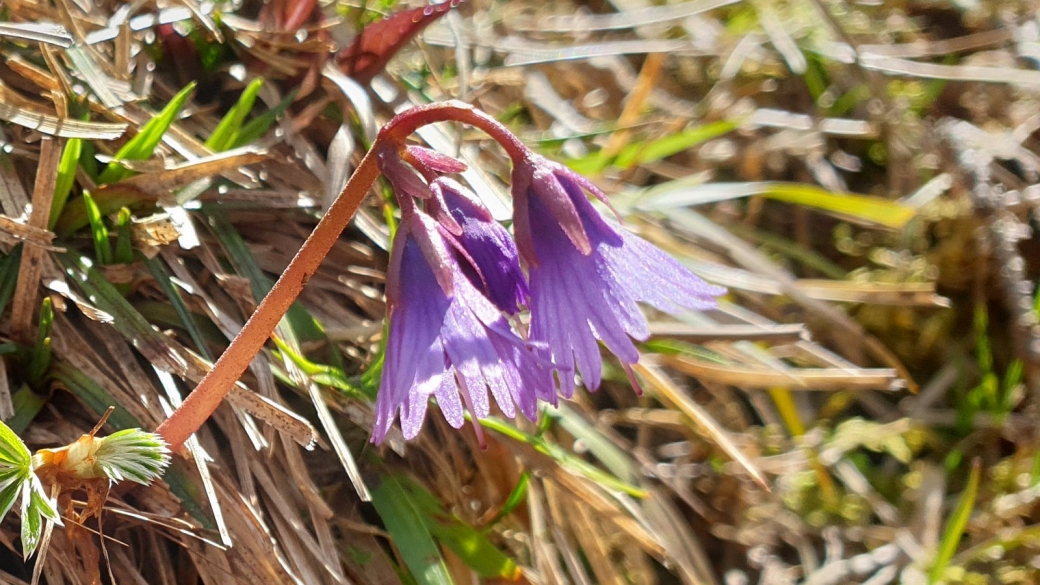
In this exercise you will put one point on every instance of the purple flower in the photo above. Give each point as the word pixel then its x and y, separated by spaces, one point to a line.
pixel 448 340
pixel 587 274
pixel 486 244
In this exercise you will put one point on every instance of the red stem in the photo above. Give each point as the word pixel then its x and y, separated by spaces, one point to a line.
pixel 405 123
pixel 210 392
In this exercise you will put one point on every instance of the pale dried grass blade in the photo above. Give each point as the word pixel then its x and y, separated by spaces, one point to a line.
pixel 339 164
pixel 357 95
pixel 287 513
pixel 253 199
pixel 124 569
pixel 54 126
pixel 125 367
pixel 73 343
pixel 258 405
pixel 13 199
pixel 329 545
pixel 527 55
pixel 699 334
pixel 590 534
pixel 42 32
pixel 942 47
pixel 294 555
pixel 202 14
pixel 685 550
pixel 609 508
pixel 173 527
pixel 909 294
pixel 636 17
pixel 277 416
pixel 37 75
pixel 104 86
pixel 546 558
pixel 181 174
pixel 140 23
pixel 301 478
pixel 539 91
pixel 26 290
pixel 201 459
pixel 846 333
pixel 666 389
pixel 14 231
pixel 1026 78
pixel 558 514
pixel 339 445
pixel 820 379
pixel 255 556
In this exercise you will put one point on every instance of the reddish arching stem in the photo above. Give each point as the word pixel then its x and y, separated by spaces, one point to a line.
pixel 207 396
pixel 407 122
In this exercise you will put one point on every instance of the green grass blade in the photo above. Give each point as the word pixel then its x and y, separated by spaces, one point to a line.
pixel 152 344
pixel 67 166
pixel 124 253
pixel 323 374
pixel 516 497
pixel 951 538
pixel 874 210
pixel 27 404
pixel 98 231
pixel 642 153
pixel 259 125
pixel 645 152
pixel 92 394
pixel 162 278
pixel 109 199
pixel 302 325
pixel 9 275
pixel 40 357
pixel 369 379
pixel 227 131
pixel 466 542
pixel 409 534
pixel 863 208
pixel 143 145
pixel 566 460
pixel 613 457
pixel 88 160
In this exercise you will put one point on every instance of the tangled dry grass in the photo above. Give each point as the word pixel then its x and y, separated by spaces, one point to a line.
pixel 862 176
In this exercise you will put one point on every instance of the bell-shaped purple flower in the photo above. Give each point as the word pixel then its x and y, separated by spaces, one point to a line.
pixel 487 245
pixel 448 340
pixel 587 274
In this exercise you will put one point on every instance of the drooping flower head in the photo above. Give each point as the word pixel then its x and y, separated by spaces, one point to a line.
pixel 455 274
pixel 490 256
pixel 587 274
pixel 487 244
pixel 446 338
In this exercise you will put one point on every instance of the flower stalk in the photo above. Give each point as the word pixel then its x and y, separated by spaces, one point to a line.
pixel 211 390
